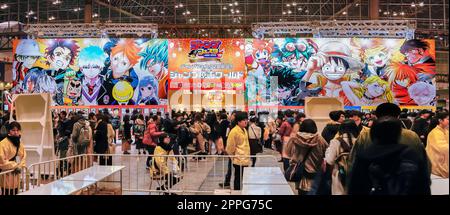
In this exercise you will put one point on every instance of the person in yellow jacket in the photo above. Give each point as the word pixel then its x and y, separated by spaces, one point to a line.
pixel 160 165
pixel 437 146
pixel 239 147
pixel 12 157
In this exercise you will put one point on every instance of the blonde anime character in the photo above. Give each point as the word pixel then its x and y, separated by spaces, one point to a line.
pixel 376 56
pixel 372 92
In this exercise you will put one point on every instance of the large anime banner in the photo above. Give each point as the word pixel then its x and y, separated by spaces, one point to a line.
pixel 93 71
pixel 210 70
pixel 362 72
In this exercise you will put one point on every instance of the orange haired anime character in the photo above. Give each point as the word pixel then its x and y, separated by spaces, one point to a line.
pixel 403 76
pixel 121 79
pixel 123 57
pixel 260 56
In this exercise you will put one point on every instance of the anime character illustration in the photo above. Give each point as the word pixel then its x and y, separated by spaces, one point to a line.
pixel 403 76
pixel 375 55
pixel 258 56
pixel 291 88
pixel 60 54
pixel 30 80
pixel 294 53
pixel 148 91
pixel 27 53
pixel 333 64
pixel 91 61
pixel 121 79
pixel 423 94
pixel 72 88
pixel 372 92
pixel 417 52
pixel 155 61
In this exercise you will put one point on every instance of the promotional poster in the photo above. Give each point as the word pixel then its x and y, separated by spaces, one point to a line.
pixel 278 71
pixel 212 68
pixel 361 72
pixel 93 71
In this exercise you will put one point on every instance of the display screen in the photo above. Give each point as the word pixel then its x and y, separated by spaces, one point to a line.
pixel 278 71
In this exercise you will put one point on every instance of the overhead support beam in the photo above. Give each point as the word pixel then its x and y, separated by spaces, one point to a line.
pixel 340 28
pixel 119 10
pixel 88 11
pixel 343 9
pixel 374 7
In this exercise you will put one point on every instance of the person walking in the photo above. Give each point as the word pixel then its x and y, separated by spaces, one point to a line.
pixel 337 155
pixel 239 147
pixel 308 147
pixel 438 145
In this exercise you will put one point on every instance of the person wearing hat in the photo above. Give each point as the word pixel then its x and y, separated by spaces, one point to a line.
pixel 334 62
pixel 239 148
pixel 420 126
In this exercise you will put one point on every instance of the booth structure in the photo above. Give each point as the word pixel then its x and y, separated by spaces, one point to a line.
pixel 34 115
pixel 318 109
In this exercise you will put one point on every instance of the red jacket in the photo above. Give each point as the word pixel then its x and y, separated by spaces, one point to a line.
pixel 150 135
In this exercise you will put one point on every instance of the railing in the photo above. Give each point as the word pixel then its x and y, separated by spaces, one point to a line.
pixel 195 174
pixel 13 181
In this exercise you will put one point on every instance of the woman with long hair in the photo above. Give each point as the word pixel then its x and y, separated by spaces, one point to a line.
pixel 337 155
pixel 308 146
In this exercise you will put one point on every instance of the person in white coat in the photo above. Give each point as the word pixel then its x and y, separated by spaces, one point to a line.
pixel 337 155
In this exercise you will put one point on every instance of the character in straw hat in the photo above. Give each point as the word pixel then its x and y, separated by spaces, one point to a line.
pixel 334 63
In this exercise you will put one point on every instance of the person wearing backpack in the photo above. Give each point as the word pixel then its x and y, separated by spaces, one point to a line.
pixel 12 157
pixel 407 137
pixel 254 139
pixel 337 155
pixel 388 167
pixel 138 131
pixel 126 135
pixel 200 130
pixel 306 149
pixel 81 136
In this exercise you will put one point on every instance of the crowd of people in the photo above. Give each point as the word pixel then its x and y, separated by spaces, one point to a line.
pixel 387 151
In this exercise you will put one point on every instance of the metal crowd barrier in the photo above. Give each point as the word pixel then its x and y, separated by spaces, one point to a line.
pixel 13 182
pixel 196 174
pixel 48 171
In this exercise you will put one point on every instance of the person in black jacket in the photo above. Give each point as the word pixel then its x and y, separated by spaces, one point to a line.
pixel 420 126
pixel 332 127
pixel 388 167
pixel 101 140
pixel 406 123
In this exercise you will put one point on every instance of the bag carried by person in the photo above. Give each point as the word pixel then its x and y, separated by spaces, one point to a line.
pixel 296 170
pixel 148 139
pixel 342 160
pixel 138 129
pixel 255 144
pixel 115 122
pixel 394 175
pixel 184 136
pixel 84 135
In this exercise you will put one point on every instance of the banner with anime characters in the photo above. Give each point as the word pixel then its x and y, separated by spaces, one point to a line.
pixel 212 67
pixel 362 72
pixel 93 71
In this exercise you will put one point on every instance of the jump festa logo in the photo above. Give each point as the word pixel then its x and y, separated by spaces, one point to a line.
pixel 207 49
